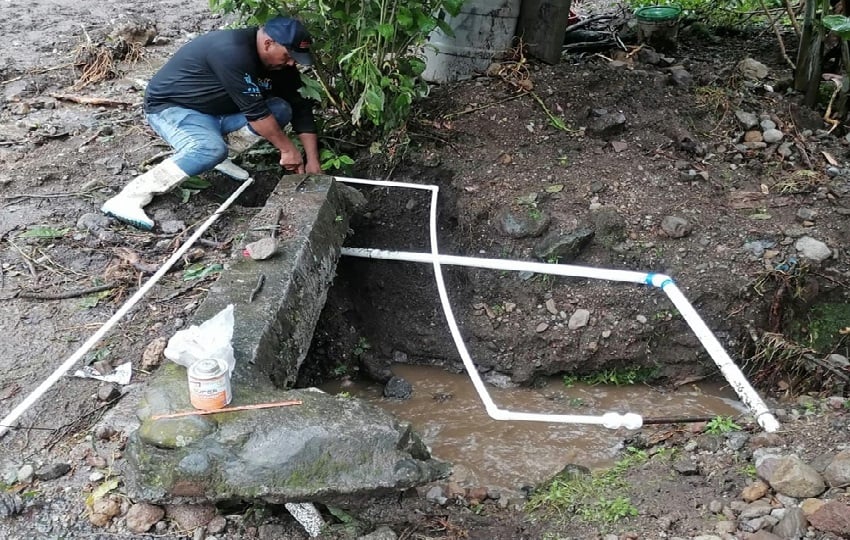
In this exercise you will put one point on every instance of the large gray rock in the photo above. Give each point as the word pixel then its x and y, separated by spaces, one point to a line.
pixel 322 450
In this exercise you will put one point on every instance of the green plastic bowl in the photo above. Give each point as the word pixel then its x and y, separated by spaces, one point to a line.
pixel 658 13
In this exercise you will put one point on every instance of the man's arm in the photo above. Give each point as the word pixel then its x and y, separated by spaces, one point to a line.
pixel 310 142
pixel 290 158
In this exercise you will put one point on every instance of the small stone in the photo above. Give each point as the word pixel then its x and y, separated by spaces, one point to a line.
pixel 550 306
pixel 52 472
pixel 542 327
pixel 578 319
pixel 103 510
pixel 641 319
pixel 104 432
pixel 142 516
pixel 108 392
pixel 25 473
pixel 754 491
pixel 398 388
pixel 606 334
pixel 772 136
pixel 191 516
pixel 217 525
pixel 96 476
pixel 262 249
pixel 153 354
pixel 675 227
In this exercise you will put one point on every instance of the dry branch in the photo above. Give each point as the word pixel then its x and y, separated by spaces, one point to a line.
pixel 96 101
pixel 229 409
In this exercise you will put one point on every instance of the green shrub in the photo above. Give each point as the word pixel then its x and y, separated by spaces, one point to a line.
pixel 367 53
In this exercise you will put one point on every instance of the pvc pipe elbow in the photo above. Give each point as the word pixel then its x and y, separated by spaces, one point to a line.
pixel 498 414
pixel 659 280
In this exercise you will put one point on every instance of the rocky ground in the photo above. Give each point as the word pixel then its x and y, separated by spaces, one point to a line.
pixel 698 163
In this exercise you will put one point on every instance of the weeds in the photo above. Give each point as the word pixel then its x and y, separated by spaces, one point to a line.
pixel 720 425
pixel 778 361
pixel 361 347
pixel 615 377
pixel 586 495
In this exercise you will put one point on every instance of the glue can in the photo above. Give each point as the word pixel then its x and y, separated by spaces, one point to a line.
pixel 209 384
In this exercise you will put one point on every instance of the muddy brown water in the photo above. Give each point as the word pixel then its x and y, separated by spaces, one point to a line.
pixel 446 411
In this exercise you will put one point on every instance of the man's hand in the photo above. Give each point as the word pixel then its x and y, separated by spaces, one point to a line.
pixel 290 160
pixel 313 167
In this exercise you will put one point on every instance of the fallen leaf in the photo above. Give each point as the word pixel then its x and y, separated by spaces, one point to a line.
pixel 555 188
pixel 9 391
pixel 829 158
pixel 506 159
pixel 102 490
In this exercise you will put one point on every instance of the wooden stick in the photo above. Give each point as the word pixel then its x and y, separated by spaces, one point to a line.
pixel 65 294
pixel 229 409
pixel 96 101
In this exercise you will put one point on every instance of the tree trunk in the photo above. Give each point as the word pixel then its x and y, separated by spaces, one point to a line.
pixel 810 55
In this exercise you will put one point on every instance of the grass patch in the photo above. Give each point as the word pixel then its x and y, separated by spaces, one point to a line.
pixel 614 377
pixel 594 498
pixel 821 327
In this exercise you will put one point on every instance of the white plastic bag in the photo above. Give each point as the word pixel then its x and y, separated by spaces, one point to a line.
pixel 212 339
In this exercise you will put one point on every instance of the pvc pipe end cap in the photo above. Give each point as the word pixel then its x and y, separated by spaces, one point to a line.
pixel 769 423
pixel 632 421
pixel 613 420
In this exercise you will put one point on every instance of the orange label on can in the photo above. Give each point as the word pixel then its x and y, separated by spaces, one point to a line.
pixel 209 389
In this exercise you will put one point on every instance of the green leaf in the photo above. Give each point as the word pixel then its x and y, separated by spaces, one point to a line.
pixel 195 183
pixel 310 88
pixel 199 271
pixel 417 66
pixel 838 24
pixel 405 17
pixel 530 199
pixel 386 30
pixel 185 194
pixel 452 6
pixel 93 300
pixel 555 188
pixel 340 514
pixel 44 232
pixel 102 490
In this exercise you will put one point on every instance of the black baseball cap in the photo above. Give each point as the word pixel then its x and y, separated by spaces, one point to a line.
pixel 291 34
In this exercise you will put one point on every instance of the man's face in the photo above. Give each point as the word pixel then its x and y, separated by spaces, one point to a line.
pixel 274 55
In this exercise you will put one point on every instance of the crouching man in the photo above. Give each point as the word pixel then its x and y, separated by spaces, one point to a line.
pixel 218 95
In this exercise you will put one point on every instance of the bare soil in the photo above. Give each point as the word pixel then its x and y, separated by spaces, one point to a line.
pixel 491 149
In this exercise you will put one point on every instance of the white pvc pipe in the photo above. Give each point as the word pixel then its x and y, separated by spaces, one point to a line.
pixel 8 422
pixel 730 371
pixel 727 367
pixel 612 420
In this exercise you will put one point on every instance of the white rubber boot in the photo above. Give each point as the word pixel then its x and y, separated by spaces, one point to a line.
pixel 232 170
pixel 128 205
pixel 238 142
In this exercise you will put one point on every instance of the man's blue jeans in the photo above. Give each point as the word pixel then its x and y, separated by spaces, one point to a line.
pixel 198 138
